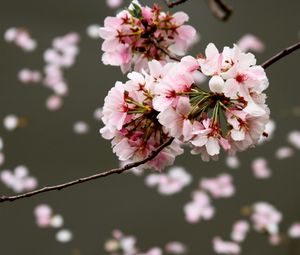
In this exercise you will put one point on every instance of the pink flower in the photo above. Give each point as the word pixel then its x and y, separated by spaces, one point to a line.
pixel 199 208
pixel 173 182
pixel 225 247
pixel 176 248
pixel 284 152
pixel 251 42
pixel 260 168
pixel 21 38
pixel 114 3
pixel 240 230
pixel 19 180
pixel 131 121
pixel 294 231
pixel 29 76
pixel 266 218
pixel 218 187
pixel 294 139
pixel 140 34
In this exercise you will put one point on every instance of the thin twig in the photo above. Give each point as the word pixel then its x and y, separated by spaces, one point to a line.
pixel 172 4
pixel 281 55
pixel 220 9
pixel 89 178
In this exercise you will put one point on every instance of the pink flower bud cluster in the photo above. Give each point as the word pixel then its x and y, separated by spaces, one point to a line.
pixel 170 183
pixel 140 33
pixel 18 180
pixel 121 244
pixel 200 207
pixel 21 38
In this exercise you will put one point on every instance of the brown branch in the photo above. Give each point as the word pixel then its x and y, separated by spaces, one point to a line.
pixel 88 178
pixel 281 55
pixel 220 9
pixel 172 4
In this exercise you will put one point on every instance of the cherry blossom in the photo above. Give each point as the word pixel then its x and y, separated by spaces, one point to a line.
pixel 218 187
pixel 225 247
pixel 140 34
pixel 176 248
pixel 294 230
pixel 249 42
pixel 284 152
pixel 54 103
pixel 64 236
pixel 11 122
pixel 18 180
pixel 192 114
pixel 240 230
pixel 232 162
pixel 93 31
pixel 260 168
pixel 81 127
pixel 21 38
pixel 45 217
pixel 131 121
pixel 29 76
pixel 294 138
pixel 199 208
pixel 266 217
pixel 173 182
pixel 114 3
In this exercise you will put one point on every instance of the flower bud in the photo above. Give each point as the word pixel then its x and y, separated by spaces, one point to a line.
pixel 216 84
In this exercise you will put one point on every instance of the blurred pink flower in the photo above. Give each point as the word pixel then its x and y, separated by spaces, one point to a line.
pixel 260 169
pixel 250 42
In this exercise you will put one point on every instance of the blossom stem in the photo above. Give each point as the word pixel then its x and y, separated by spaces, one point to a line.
pixel 89 178
pixel 280 55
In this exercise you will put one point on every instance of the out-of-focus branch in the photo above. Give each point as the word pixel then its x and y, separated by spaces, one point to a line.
pixel 220 9
pixel 88 178
pixel 281 55
pixel 172 4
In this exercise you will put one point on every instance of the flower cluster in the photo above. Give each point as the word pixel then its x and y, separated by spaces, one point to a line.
pixel 140 33
pixel 169 101
pixel 18 180
pixel 173 182
pixel 201 208
pixel 231 115
pixel 131 120
pixel 20 37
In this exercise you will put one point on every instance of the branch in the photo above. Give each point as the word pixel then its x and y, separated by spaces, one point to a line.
pixel 172 4
pixel 88 178
pixel 220 9
pixel 281 55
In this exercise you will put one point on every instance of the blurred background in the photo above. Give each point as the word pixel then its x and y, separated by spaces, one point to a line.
pixel 54 153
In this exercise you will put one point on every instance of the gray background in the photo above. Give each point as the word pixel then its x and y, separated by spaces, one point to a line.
pixel 55 154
